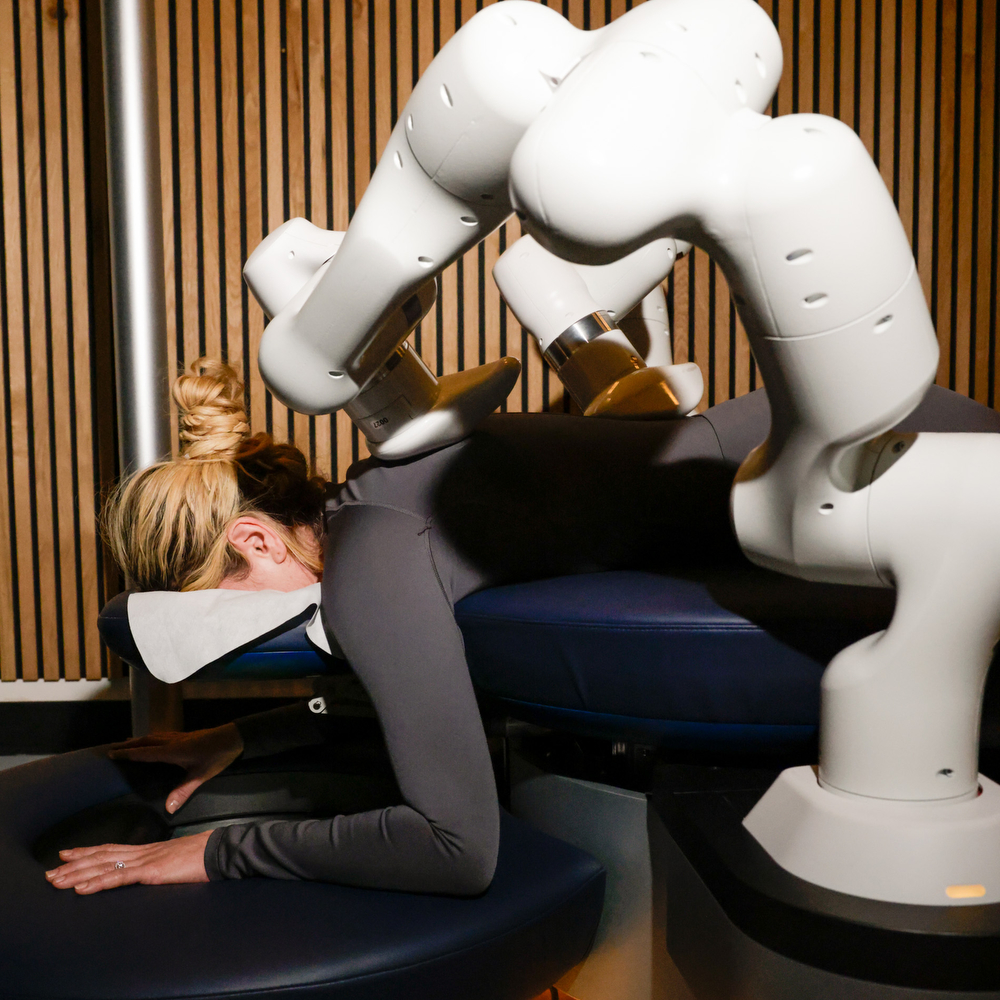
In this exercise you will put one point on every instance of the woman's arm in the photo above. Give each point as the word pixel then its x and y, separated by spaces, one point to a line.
pixel 205 753
pixel 389 602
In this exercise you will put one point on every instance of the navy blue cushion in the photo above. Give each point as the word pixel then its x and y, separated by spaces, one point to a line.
pixel 730 661
pixel 284 654
pixel 287 939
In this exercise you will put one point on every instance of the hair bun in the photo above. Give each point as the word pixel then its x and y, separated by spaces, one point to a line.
pixel 213 420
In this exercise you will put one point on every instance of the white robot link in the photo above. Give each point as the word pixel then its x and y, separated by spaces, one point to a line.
pixel 381 382
pixel 341 305
pixel 522 106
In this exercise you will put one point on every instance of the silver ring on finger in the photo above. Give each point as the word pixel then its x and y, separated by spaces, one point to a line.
pixel 119 864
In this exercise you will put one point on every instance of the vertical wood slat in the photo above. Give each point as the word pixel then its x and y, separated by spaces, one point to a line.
pixel 274 109
pixel 33 310
pixel 86 548
pixel 10 604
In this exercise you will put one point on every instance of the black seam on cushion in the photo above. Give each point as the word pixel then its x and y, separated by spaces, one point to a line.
pixel 655 718
pixel 598 627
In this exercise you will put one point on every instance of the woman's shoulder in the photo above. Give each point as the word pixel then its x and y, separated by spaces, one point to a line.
pixel 406 485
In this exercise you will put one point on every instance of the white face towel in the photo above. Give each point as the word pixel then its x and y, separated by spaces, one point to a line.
pixel 179 633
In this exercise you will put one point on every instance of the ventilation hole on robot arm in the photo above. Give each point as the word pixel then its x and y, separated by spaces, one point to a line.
pixel 884 323
pixel 759 63
pixel 425 261
pixel 469 220
pixel 398 160
pixel 813 131
pixel 741 94
pixel 826 508
pixel 801 256
pixel 815 300
pixel 446 96
pixel 335 374
pixel 409 122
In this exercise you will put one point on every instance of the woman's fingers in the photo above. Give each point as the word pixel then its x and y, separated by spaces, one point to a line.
pixel 78 877
pixel 83 863
pixel 106 879
pixel 183 792
pixel 204 754
pixel 195 779
pixel 72 853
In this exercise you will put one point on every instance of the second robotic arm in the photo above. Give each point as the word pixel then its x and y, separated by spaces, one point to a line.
pixel 822 273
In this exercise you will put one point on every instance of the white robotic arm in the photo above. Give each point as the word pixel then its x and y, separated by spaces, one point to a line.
pixel 439 188
pixel 402 409
pixel 823 276
pixel 574 311
pixel 338 323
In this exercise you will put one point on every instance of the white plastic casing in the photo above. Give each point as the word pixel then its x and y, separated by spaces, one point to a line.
pixel 285 260
pixel 647 329
pixel 900 852
pixel 472 105
pixel 439 188
pixel 548 294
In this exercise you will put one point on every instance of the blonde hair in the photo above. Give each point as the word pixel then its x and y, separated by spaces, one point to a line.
pixel 167 525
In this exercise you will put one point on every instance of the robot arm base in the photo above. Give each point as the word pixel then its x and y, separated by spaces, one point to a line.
pixel 937 853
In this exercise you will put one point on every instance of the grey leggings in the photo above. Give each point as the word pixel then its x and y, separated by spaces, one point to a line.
pixel 526 497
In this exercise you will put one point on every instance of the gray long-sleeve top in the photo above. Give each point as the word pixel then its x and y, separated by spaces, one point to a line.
pixel 527 496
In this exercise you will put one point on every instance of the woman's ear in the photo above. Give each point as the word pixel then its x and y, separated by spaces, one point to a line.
pixel 272 566
pixel 256 541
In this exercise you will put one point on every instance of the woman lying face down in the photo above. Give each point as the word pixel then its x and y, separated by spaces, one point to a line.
pixel 233 511
pixel 528 496
pixel 241 512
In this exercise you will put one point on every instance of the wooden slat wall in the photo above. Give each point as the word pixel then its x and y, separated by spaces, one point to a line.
pixel 51 574
pixel 275 108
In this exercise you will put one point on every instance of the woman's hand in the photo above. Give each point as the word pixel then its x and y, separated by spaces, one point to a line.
pixel 203 754
pixel 91 869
